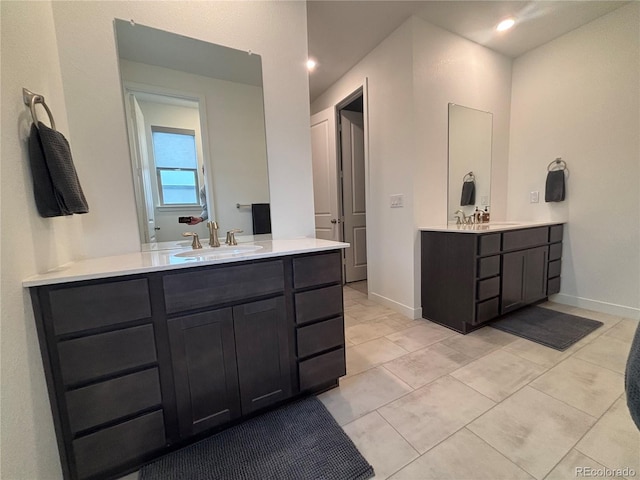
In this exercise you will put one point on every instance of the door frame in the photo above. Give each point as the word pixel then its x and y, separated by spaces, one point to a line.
pixel 363 91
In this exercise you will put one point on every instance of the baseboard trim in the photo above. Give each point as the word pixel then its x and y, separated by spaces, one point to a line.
pixel 405 310
pixel 597 306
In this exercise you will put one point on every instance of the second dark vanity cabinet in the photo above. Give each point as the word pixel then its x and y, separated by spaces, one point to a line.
pixel 137 366
pixel 471 277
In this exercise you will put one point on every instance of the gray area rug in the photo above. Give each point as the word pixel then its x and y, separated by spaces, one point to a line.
pixel 298 441
pixel 550 328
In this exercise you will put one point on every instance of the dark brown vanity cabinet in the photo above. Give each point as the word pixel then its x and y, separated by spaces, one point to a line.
pixel 137 366
pixel 469 278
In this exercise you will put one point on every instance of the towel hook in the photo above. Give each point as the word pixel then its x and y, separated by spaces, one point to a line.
pixel 472 177
pixel 31 99
pixel 557 164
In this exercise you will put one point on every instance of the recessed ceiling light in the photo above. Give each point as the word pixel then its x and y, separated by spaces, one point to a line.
pixel 311 64
pixel 505 24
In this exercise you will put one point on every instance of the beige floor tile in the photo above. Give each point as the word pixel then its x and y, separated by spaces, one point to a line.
pixel 363 332
pixel 380 444
pixel 365 313
pixel 624 330
pixel 608 320
pixel 462 456
pixel 370 354
pixel 350 321
pixel 498 374
pixel 532 429
pixel 608 352
pixel 360 286
pixel 576 465
pixel 471 346
pixel 493 335
pixel 432 413
pixel 349 303
pixel 415 338
pixel 539 354
pixel 583 385
pixel 614 441
pixel 424 366
pixel 361 394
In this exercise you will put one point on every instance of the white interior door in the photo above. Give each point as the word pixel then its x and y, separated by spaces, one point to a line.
pixel 146 213
pixel 353 195
pixel 325 178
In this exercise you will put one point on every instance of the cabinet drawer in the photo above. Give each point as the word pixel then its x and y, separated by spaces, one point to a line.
pixel 555 233
pixel 553 286
pixel 531 237
pixel 214 286
pixel 117 398
pixel 489 244
pixel 489 266
pixel 322 369
pixel 488 288
pixel 555 251
pixel 554 268
pixel 320 336
pixel 90 357
pixel 92 306
pixel 318 304
pixel 317 270
pixel 487 310
pixel 111 447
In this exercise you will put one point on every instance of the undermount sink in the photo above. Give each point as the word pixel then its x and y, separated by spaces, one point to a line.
pixel 223 250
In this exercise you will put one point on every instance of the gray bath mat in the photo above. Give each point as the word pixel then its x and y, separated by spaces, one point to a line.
pixel 550 328
pixel 297 442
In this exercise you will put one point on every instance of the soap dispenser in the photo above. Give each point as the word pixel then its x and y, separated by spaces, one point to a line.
pixel 477 216
pixel 485 214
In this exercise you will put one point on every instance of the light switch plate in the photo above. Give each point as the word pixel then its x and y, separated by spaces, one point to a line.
pixel 396 200
pixel 534 197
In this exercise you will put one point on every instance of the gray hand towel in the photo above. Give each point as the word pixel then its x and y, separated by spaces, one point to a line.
pixel 632 379
pixel 554 189
pixel 47 201
pixel 261 213
pixel 55 150
pixel 468 193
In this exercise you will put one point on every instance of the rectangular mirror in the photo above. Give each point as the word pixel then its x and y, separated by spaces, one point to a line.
pixel 470 137
pixel 195 120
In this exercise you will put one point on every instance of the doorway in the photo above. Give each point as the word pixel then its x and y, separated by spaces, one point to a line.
pixel 339 152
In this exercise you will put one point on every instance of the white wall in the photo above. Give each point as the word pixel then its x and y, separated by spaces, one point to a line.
pixel 412 76
pixel 66 51
pixel 275 30
pixel 30 244
pixel 577 97
pixel 236 139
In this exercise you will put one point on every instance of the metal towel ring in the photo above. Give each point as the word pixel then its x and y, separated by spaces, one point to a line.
pixel 31 99
pixel 472 177
pixel 557 164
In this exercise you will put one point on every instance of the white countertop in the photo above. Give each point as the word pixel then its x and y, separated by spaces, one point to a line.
pixel 486 227
pixel 159 260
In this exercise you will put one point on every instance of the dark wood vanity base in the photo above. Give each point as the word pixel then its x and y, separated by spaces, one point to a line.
pixel 138 366
pixel 469 279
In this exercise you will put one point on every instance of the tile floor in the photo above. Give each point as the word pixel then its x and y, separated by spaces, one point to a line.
pixel 423 402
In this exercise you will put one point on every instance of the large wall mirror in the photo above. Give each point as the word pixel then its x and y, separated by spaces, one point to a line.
pixel 470 137
pixel 195 119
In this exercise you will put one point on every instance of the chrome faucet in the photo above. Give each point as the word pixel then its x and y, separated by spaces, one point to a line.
pixel 213 234
pixel 196 241
pixel 231 236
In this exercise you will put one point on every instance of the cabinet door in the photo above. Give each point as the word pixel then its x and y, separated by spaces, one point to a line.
pixel 204 366
pixel 513 267
pixel 535 284
pixel 523 278
pixel 262 344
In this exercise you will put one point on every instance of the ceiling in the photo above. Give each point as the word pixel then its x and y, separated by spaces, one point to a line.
pixel 342 32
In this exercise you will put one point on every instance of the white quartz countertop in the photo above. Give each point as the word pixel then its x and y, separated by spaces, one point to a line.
pixel 160 260
pixel 486 227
